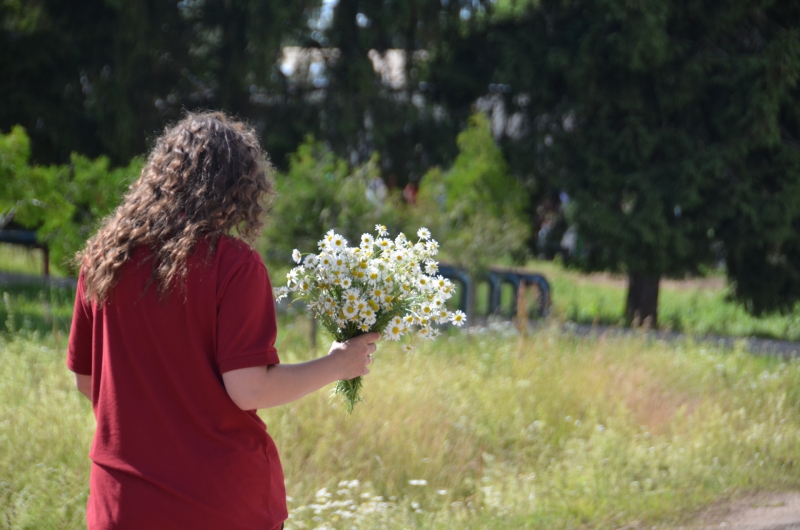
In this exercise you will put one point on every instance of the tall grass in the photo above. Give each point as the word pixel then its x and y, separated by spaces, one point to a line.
pixel 22 260
pixel 19 259
pixel 700 306
pixel 477 430
pixel 34 308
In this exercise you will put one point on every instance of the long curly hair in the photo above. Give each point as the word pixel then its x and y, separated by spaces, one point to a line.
pixel 206 176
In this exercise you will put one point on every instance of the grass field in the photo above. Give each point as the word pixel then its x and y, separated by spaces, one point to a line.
pixel 696 306
pixel 18 259
pixel 479 430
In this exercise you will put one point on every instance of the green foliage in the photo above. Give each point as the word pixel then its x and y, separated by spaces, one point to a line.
pixel 672 126
pixel 480 177
pixel 697 306
pixel 93 192
pixel 62 203
pixel 475 209
pixel 317 193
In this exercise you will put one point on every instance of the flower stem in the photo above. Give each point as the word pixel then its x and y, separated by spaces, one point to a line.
pixel 350 390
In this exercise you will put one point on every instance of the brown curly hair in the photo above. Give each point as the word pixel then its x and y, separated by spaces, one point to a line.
pixel 206 176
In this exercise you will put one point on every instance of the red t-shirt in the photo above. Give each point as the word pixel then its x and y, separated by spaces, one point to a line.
pixel 171 449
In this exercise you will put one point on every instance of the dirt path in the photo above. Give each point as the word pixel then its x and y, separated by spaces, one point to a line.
pixel 761 511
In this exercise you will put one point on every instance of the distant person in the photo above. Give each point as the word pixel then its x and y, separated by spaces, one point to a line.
pixel 173 342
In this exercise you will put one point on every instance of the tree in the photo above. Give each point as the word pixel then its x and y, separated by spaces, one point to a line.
pixel 672 127
pixel 104 77
pixel 476 208
pixel 63 203
pixel 319 192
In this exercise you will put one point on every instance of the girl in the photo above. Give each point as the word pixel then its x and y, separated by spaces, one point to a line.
pixel 173 342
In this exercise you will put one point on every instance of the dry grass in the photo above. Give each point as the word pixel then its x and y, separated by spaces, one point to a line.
pixel 481 430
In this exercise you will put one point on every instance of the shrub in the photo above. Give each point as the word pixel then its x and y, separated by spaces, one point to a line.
pixel 476 208
pixel 64 204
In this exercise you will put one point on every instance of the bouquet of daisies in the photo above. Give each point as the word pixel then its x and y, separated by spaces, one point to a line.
pixel 384 285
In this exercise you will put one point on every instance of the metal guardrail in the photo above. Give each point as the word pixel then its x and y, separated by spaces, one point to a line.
pixel 519 279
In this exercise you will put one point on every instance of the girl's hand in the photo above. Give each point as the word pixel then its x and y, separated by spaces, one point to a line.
pixel 354 355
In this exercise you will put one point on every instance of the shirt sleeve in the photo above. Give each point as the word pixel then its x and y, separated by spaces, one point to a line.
pixel 246 325
pixel 79 347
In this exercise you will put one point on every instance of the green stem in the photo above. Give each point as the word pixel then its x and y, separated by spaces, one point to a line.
pixel 350 390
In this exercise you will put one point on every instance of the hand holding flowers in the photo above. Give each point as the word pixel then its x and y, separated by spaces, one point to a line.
pixel 383 285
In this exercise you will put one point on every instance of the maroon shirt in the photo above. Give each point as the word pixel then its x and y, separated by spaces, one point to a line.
pixel 171 449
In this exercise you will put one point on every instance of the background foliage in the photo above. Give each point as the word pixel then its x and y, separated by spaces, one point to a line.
pixel 672 127
pixel 63 203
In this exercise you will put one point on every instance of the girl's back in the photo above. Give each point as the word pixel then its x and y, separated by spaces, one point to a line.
pixel 170 444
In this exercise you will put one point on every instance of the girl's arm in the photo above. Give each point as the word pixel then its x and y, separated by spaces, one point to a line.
pixel 262 387
pixel 84 384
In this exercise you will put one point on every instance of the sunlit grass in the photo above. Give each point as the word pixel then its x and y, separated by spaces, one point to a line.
pixel 45 428
pixel 21 260
pixel 699 306
pixel 540 433
pixel 34 308
pixel 481 430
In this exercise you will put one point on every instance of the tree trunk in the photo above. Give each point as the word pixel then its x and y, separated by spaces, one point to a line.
pixel 641 308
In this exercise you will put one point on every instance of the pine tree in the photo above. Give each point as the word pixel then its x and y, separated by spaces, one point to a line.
pixel 672 126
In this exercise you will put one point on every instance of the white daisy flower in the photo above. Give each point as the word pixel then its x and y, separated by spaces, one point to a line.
pixel 393 332
pixel 377 294
pixel 351 295
pixel 408 348
pixel 349 311
pixel 296 256
pixel 458 318
pixel 367 240
pixel 423 233
pixel 280 293
pixel 400 257
pixel 381 229
pixel 338 242
pixel 325 260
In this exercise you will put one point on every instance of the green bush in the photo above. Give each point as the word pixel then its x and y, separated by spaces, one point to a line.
pixel 476 208
pixel 65 203
pixel 319 192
